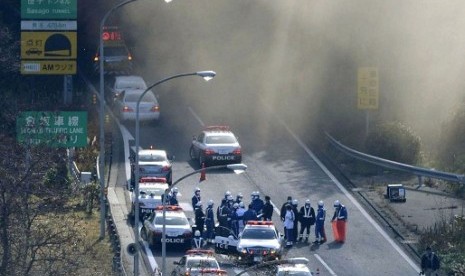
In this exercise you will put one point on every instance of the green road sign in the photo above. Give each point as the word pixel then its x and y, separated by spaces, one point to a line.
pixel 48 9
pixel 55 129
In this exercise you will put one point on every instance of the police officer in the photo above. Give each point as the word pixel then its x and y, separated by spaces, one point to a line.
pixel 223 218
pixel 199 217
pixel 257 203
pixel 320 235
pixel 289 219
pixel 250 214
pixel 429 262
pixel 196 197
pixel 295 210
pixel 210 222
pixel 267 209
pixel 198 242
pixel 173 198
pixel 234 219
pixel 240 216
pixel 307 219
pixel 239 198
pixel 230 199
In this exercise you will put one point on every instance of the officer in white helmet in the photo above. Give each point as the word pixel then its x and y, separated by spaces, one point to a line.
pixel 339 221
pixel 173 198
pixel 198 242
pixel 210 222
pixel 199 217
pixel 257 203
pixel 320 235
pixel 295 209
pixel 307 219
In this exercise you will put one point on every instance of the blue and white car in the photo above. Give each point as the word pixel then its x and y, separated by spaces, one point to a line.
pixel 150 196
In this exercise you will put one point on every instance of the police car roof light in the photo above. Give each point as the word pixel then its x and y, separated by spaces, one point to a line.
pixel 152 179
pixel 199 251
pixel 217 128
pixel 257 222
pixel 169 208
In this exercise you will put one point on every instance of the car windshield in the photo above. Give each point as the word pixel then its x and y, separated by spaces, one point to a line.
pixel 152 191
pixel 202 263
pixel 220 140
pixel 134 97
pixel 152 157
pixel 171 220
pixel 123 84
pixel 262 234
pixel 116 51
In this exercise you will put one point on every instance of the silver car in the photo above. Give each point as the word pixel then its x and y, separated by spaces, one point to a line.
pixel 197 262
pixel 155 163
pixel 122 83
pixel 126 103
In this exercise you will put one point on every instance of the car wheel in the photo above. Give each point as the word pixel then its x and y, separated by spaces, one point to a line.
pixel 192 153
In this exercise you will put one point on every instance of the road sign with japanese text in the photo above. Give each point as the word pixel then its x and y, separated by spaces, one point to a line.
pixel 48 25
pixel 49 9
pixel 48 45
pixel 48 67
pixel 368 88
pixel 55 129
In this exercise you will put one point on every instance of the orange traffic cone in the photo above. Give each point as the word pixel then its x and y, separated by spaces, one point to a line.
pixel 203 175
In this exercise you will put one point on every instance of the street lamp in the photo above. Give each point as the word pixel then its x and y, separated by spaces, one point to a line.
pixel 298 260
pixel 237 168
pixel 206 75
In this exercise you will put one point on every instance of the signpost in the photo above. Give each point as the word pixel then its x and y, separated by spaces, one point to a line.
pixel 49 9
pixel 56 129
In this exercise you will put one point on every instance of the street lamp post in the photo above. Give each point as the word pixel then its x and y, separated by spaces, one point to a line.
pixel 101 118
pixel 298 260
pixel 206 75
pixel 237 168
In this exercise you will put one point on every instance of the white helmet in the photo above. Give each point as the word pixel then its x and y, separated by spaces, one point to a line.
pixel 295 202
pixel 307 201
pixel 239 195
pixel 174 190
pixel 197 233
pixel 236 205
pixel 197 189
pixel 337 203
pixel 320 203
pixel 210 202
pixel 227 193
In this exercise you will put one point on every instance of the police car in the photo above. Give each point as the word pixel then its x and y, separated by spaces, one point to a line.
pixel 153 162
pixel 216 145
pixel 197 262
pixel 151 190
pixel 178 228
pixel 259 241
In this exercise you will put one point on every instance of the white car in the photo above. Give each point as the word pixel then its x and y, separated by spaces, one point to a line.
pixel 127 82
pixel 178 228
pixel 126 103
pixel 150 196
pixel 153 163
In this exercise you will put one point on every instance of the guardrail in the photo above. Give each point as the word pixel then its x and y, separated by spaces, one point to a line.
pixel 418 171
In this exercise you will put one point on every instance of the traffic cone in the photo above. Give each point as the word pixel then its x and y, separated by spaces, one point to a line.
pixel 203 175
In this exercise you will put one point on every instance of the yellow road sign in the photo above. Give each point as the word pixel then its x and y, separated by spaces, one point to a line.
pixel 48 45
pixel 368 88
pixel 48 67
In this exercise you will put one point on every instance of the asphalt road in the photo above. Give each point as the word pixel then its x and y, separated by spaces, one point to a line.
pixel 279 164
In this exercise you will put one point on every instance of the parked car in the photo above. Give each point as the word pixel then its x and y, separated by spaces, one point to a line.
pixel 126 103
pixel 122 83
pixel 117 59
pixel 197 262
pixel 155 163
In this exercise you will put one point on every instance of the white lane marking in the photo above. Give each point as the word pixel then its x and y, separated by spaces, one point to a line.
pixel 148 251
pixel 275 209
pixel 324 264
pixel 351 198
pixel 196 116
